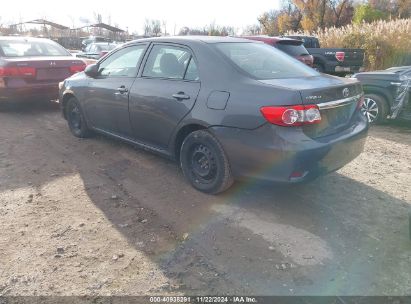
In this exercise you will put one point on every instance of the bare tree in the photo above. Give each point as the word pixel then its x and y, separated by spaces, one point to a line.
pixel 164 23
pixel 152 27
pixel 254 29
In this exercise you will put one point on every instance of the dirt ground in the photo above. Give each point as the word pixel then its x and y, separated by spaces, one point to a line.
pixel 99 217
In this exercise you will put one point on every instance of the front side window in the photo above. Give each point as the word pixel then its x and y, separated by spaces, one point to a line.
pixel 123 63
pixel 167 62
pixel 261 61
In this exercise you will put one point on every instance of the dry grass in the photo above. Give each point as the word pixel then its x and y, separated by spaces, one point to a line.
pixel 386 43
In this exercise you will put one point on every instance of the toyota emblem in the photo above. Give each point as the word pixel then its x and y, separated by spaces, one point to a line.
pixel 346 92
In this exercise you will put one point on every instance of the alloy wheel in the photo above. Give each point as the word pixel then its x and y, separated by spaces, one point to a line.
pixel 370 109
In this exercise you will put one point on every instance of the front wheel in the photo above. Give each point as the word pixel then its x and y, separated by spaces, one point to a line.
pixel 374 108
pixel 75 119
pixel 204 163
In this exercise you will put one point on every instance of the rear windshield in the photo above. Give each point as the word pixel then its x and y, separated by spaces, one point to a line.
pixel 292 48
pixel 27 48
pixel 262 61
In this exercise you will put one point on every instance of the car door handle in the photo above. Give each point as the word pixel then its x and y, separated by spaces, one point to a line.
pixel 181 96
pixel 122 90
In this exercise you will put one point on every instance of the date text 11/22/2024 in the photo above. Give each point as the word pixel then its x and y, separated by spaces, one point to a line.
pixel 203 299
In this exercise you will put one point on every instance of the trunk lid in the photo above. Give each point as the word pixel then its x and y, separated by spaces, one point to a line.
pixel 336 97
pixel 47 68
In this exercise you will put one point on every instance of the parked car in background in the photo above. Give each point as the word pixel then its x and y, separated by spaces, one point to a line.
pixel 387 94
pixel 224 108
pixel 96 50
pixel 93 39
pixel 292 47
pixel 337 61
pixel 31 68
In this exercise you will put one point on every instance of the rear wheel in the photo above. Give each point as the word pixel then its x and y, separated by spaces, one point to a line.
pixel 375 108
pixel 204 163
pixel 75 119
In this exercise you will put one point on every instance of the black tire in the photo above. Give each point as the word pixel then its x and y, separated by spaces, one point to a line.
pixel 204 163
pixel 75 119
pixel 377 102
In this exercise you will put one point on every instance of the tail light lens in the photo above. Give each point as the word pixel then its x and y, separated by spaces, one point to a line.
pixel 77 68
pixel 340 56
pixel 292 115
pixel 17 72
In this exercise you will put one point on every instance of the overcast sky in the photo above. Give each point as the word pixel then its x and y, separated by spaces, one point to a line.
pixel 131 14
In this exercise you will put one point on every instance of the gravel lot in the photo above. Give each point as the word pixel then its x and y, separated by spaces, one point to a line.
pixel 98 217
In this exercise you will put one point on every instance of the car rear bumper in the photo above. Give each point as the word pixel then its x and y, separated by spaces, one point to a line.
pixel 277 153
pixel 30 92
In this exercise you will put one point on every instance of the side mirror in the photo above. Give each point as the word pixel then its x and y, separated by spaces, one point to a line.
pixel 92 70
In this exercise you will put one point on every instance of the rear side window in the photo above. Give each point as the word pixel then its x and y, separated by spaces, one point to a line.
pixel 123 63
pixel 167 62
pixel 261 61
pixel 292 48
pixel 31 48
pixel 192 71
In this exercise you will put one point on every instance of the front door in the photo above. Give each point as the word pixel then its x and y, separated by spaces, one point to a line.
pixel 164 94
pixel 106 100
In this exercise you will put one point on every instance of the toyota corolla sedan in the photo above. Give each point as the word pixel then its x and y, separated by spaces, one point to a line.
pixel 31 68
pixel 224 108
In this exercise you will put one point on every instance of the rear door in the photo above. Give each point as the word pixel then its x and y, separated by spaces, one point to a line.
pixel 106 98
pixel 164 94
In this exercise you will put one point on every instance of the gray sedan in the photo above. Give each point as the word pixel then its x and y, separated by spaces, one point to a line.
pixel 224 108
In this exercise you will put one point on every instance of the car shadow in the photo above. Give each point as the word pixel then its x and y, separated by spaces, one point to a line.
pixel 29 107
pixel 397 131
pixel 333 236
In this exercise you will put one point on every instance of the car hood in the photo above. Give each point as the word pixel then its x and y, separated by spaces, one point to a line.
pixel 378 75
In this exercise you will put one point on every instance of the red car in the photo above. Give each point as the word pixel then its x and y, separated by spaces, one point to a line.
pixel 292 47
pixel 31 68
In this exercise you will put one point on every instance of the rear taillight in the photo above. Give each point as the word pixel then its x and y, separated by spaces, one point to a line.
pixel 290 116
pixel 340 56
pixel 17 72
pixel 77 68
pixel 103 53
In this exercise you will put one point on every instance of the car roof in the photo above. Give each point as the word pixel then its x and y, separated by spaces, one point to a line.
pixel 188 39
pixel 103 43
pixel 272 39
pixel 23 38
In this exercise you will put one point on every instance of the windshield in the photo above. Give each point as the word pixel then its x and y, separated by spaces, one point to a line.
pixel 262 61
pixel 27 48
pixel 106 47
